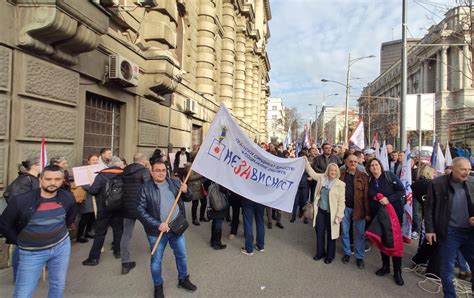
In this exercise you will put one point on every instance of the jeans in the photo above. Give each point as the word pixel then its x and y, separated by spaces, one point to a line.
pixel 359 227
pixel 325 245
pixel 105 218
pixel 15 261
pixel 128 225
pixel 253 210
pixel 217 224
pixel 456 239
pixel 178 245
pixel 463 266
pixel 300 199
pixel 31 265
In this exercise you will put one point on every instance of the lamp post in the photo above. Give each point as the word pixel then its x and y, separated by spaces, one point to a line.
pixel 316 115
pixel 350 62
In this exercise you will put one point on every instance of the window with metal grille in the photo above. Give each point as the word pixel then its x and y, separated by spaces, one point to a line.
pixel 101 125
pixel 196 135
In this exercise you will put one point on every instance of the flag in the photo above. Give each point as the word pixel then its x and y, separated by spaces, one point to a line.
pixel 377 150
pixel 447 155
pixel 357 136
pixel 229 158
pixel 433 154
pixel 406 180
pixel 43 154
pixel 287 142
pixel 306 137
pixel 440 161
pixel 375 140
pixel 384 157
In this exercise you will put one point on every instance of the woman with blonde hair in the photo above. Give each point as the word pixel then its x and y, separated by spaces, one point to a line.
pixel 329 205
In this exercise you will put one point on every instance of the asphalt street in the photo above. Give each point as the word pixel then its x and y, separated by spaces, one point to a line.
pixel 285 269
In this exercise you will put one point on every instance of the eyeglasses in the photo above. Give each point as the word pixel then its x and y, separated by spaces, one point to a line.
pixel 160 171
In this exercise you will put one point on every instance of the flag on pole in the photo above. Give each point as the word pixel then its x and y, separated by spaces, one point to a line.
pixel 229 158
pixel 306 137
pixel 447 155
pixel 440 161
pixel 384 157
pixel 375 140
pixel 406 180
pixel 287 142
pixel 357 136
pixel 43 154
pixel 434 154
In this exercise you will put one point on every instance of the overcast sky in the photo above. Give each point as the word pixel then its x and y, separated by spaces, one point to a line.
pixel 310 40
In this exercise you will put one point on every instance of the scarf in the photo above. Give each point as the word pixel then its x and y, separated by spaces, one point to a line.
pixel 329 183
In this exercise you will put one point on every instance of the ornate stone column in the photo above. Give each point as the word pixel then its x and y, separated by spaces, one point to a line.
pixel 425 76
pixel 239 75
pixel 467 72
pixel 228 54
pixel 248 78
pixel 443 70
pixel 206 48
pixel 255 85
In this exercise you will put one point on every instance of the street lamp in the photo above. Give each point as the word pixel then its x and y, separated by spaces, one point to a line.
pixel 316 115
pixel 350 62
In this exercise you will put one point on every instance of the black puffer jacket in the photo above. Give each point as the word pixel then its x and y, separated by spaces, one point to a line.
pixel 134 176
pixel 97 188
pixel 23 183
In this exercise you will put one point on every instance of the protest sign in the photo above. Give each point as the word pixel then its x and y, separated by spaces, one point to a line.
pixel 86 174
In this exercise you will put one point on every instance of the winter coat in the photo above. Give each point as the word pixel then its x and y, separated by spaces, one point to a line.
pixel 361 188
pixel 25 182
pixel 195 185
pixel 439 203
pixel 149 200
pixel 87 206
pixel 320 163
pixel 177 158
pixel 20 210
pixel 134 176
pixel 391 187
pixel 336 200
pixel 97 188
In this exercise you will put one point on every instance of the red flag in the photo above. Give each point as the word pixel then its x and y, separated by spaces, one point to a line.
pixel 375 140
pixel 43 154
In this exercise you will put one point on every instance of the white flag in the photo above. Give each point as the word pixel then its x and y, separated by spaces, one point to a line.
pixel 440 161
pixel 357 136
pixel 229 158
pixel 447 156
pixel 384 157
pixel 406 180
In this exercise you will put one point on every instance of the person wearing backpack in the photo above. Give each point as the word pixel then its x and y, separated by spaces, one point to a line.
pixel 26 181
pixel 218 198
pixel 108 189
pixel 134 176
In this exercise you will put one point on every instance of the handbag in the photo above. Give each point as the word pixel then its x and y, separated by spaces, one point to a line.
pixel 178 225
pixel 308 211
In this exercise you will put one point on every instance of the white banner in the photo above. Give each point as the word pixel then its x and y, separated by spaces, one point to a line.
pixel 228 157
pixel 406 179
pixel 357 136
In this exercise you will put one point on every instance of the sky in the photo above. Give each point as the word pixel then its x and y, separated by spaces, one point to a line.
pixel 311 39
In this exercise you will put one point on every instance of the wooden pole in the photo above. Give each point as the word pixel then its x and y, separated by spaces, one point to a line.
pixel 171 212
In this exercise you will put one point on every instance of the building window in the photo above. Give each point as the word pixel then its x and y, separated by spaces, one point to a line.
pixel 274 108
pixel 101 125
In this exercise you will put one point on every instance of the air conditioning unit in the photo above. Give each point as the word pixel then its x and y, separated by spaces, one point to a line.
pixel 190 106
pixel 123 71
pixel 110 3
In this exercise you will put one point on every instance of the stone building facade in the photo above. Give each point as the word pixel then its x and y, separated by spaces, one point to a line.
pixel 441 63
pixel 276 120
pixel 110 73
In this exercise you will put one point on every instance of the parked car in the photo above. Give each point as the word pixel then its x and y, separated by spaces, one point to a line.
pixel 425 154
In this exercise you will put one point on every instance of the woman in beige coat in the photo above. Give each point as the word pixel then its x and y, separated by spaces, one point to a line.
pixel 329 204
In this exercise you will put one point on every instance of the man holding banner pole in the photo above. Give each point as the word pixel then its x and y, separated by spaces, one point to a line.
pixel 156 202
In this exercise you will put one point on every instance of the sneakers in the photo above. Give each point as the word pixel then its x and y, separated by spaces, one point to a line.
pixel 259 249
pixel 159 291
pixel 345 259
pixel 187 285
pixel 465 275
pixel 415 236
pixel 360 263
pixel 245 252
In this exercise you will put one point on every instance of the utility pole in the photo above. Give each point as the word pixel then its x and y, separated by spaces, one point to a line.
pixel 403 83
pixel 346 113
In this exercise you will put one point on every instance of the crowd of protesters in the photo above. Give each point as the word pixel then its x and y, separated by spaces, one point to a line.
pixel 344 192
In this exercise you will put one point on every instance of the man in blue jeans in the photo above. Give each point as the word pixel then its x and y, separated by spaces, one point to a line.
pixel 155 200
pixel 357 209
pixel 251 210
pixel 37 222
pixel 449 219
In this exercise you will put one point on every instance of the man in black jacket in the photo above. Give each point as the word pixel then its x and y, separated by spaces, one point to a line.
pixel 105 216
pixel 134 176
pixel 155 201
pixel 449 211
pixel 37 221
pixel 321 162
pixel 180 161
